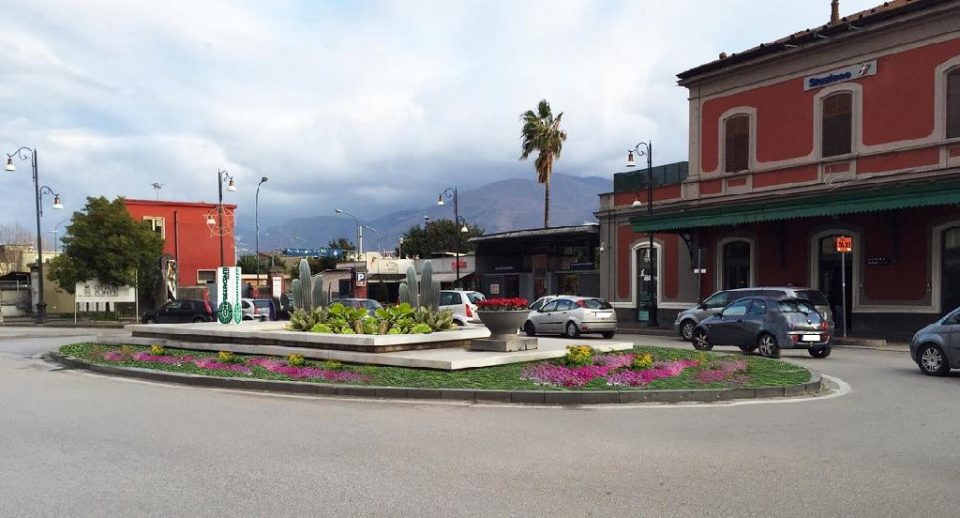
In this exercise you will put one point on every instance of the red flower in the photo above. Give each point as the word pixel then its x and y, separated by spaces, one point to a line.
pixel 502 304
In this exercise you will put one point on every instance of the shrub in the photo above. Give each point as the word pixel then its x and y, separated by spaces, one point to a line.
pixel 295 360
pixel 579 355
pixel 332 365
pixel 225 357
pixel 126 351
pixel 157 350
pixel 642 361
pixel 421 329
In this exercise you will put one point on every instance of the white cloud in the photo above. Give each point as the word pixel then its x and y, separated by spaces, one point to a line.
pixel 375 103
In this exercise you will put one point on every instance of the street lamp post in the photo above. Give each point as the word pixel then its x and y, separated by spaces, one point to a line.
pixel 359 231
pixel 379 248
pixel 451 193
pixel 646 149
pixel 23 153
pixel 56 232
pixel 256 218
pixel 231 186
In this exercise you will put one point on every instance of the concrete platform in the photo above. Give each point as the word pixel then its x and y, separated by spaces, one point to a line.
pixel 454 358
pixel 276 334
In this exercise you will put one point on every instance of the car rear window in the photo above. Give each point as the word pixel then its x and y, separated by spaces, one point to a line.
pixel 261 303
pixel 475 297
pixel 797 306
pixel 814 296
pixel 597 304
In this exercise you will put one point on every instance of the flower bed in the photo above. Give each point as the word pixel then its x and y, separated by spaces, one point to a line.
pixel 642 368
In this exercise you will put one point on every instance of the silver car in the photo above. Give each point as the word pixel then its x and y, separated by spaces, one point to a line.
pixel 688 319
pixel 463 305
pixel 936 348
pixel 572 316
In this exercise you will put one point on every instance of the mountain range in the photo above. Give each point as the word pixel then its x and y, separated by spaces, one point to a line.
pixel 500 206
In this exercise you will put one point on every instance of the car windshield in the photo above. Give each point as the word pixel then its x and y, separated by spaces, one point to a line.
pixel 718 300
pixel 371 304
pixel 814 296
pixel 262 303
pixel 797 306
pixel 597 304
pixel 475 296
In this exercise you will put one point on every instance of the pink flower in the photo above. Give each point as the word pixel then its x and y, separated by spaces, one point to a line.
pixel 306 372
pixel 711 376
pixel 113 356
pixel 615 361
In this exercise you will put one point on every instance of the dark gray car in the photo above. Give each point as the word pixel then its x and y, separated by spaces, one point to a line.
pixel 766 325
pixel 688 319
pixel 936 348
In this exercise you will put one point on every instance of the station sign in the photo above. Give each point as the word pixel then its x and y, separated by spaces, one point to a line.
pixel 840 75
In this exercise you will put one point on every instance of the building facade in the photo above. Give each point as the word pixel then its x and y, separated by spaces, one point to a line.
pixel 851 129
pixel 188 238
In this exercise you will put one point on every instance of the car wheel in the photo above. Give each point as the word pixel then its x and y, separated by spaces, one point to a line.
pixel 819 352
pixel 458 323
pixel 932 361
pixel 607 334
pixel 686 329
pixel 748 348
pixel 572 330
pixel 767 346
pixel 529 329
pixel 199 320
pixel 701 341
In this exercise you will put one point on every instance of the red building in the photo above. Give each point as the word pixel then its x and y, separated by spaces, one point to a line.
pixel 188 236
pixel 849 129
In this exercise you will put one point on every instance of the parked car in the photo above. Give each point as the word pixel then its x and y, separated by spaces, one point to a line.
pixel 371 305
pixel 936 348
pixel 572 316
pixel 180 311
pixel 766 325
pixel 463 305
pixel 258 309
pixel 688 319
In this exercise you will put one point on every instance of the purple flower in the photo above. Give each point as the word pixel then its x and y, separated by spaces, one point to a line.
pixel 564 376
pixel 208 363
pixel 615 361
pixel 660 370
pixel 711 376
pixel 306 372
pixel 112 356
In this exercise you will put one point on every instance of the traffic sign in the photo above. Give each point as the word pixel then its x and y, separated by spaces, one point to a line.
pixel 361 279
pixel 844 244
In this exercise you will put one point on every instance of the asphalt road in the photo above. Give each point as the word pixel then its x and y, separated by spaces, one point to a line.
pixel 77 444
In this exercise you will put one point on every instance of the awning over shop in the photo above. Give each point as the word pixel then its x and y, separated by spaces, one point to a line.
pixel 886 197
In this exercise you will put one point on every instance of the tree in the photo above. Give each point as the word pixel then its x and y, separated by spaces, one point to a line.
pixel 438 237
pixel 319 264
pixel 541 132
pixel 342 243
pixel 104 242
pixel 15 234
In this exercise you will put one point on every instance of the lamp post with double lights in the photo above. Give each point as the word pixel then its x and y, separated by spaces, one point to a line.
pixel 256 217
pixel 451 193
pixel 222 176
pixel 379 248
pixel 23 153
pixel 646 149
pixel 359 232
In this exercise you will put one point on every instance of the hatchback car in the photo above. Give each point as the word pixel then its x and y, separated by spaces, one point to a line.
pixel 936 348
pixel 572 316
pixel 766 325
pixel 688 319
pixel 179 312
pixel 463 305
pixel 371 305
pixel 257 309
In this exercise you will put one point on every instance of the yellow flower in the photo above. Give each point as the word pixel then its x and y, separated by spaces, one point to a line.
pixel 157 350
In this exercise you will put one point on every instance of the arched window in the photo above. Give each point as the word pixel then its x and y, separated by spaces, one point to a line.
pixel 837 131
pixel 737 145
pixel 953 103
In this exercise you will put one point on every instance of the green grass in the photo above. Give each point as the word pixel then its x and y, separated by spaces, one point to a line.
pixel 762 372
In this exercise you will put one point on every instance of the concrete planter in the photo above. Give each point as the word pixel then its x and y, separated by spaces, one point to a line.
pixel 503 322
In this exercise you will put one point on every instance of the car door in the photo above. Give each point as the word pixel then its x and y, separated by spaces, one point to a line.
pixel 542 318
pixel 748 328
pixel 724 330
pixel 170 313
pixel 951 328
pixel 561 315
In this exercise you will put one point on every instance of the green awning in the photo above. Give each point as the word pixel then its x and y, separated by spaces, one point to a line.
pixel 886 197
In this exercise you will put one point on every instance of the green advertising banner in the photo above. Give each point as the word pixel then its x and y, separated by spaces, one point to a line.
pixel 229 310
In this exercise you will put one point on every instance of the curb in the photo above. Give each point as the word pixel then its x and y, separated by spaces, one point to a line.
pixel 539 397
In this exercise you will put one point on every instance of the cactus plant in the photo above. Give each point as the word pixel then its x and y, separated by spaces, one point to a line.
pixel 306 286
pixel 404 294
pixel 297 294
pixel 413 287
pixel 318 295
pixel 426 285
pixel 435 295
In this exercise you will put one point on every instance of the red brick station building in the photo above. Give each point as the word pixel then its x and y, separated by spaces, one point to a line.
pixel 848 129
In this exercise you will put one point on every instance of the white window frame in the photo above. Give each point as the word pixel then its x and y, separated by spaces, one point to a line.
pixel 153 220
pixel 940 97
pixel 658 247
pixel 751 114
pixel 856 120
pixel 753 259
pixel 201 281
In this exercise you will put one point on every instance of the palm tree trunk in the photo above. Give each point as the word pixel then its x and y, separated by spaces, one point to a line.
pixel 546 203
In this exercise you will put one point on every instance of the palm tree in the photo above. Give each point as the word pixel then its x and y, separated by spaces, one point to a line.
pixel 541 132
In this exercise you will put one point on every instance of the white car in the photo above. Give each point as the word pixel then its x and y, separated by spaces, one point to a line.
pixel 463 305
pixel 571 316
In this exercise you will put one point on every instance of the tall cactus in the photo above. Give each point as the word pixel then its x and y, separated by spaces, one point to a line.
pixel 435 294
pixel 413 287
pixel 426 285
pixel 306 286
pixel 404 293
pixel 297 294
pixel 318 294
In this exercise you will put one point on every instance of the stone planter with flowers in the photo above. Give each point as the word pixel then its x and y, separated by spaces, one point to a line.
pixel 503 317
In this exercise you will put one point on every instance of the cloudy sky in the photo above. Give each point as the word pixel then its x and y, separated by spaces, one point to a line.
pixel 369 105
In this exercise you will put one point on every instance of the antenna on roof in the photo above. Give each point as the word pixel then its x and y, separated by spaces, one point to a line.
pixel 157 186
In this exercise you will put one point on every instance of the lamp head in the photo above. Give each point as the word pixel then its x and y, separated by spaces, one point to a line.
pixel 211 220
pixel 56 202
pixel 338 211
pixel 263 179
pixel 440 200
pixel 10 167
pixel 464 229
pixel 631 162
pixel 231 185
pixel 636 203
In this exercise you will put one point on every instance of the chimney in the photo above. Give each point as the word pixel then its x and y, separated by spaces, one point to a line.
pixel 835 11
